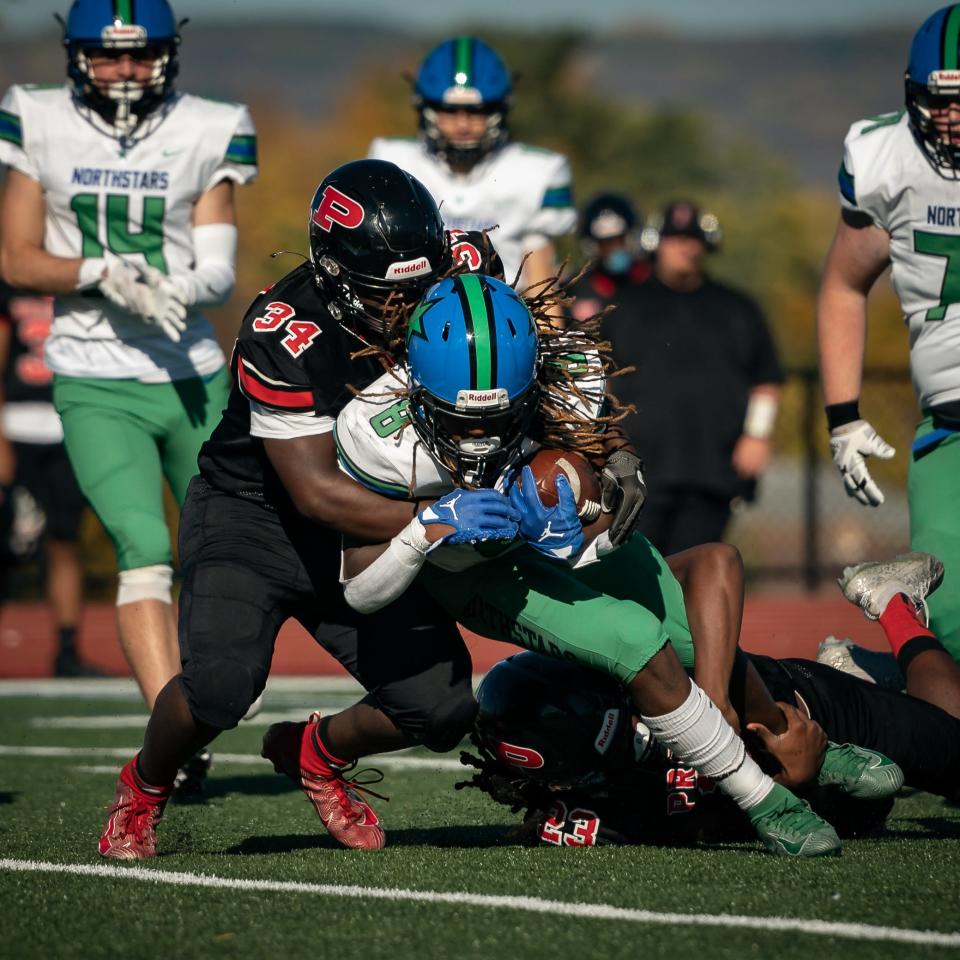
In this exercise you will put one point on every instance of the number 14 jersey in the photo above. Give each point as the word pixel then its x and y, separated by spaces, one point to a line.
pixel 133 200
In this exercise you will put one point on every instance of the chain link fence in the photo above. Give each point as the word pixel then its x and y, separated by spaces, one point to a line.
pixel 802 528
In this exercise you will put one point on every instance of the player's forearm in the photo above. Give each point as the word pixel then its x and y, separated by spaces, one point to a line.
pixel 841 339
pixel 212 279
pixel 386 576
pixel 355 511
pixel 32 268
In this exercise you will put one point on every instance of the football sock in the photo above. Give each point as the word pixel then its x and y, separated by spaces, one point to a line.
pixel 320 750
pixel 697 734
pixel 902 625
pixel 67 638
pixel 142 784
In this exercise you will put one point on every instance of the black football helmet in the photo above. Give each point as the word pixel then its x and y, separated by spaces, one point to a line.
pixel 377 242
pixel 555 722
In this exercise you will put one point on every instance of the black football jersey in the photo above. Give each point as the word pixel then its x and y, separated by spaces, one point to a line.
pixel 292 356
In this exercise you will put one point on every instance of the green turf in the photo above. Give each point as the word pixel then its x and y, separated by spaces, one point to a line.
pixel 256 826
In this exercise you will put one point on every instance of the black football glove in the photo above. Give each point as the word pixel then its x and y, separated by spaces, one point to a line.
pixel 623 493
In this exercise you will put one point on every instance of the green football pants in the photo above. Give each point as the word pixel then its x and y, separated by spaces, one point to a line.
pixel 123 437
pixel 613 615
pixel 933 491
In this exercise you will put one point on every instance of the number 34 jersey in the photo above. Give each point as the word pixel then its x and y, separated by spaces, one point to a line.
pixel 886 175
pixel 135 201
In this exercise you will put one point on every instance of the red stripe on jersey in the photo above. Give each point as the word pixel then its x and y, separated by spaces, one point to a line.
pixel 291 399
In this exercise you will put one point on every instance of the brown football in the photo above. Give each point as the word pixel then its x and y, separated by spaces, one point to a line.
pixel 547 465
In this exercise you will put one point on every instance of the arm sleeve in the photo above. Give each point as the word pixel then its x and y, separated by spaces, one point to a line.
pixel 555 215
pixel 239 162
pixel 211 280
pixel 12 150
pixel 391 573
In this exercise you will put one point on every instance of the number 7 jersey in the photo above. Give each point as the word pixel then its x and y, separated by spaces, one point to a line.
pixel 135 201
pixel 886 175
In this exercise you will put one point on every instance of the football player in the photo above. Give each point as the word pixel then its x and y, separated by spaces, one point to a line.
pixel 261 527
pixel 560 741
pixel 454 425
pixel 466 159
pixel 119 201
pixel 899 196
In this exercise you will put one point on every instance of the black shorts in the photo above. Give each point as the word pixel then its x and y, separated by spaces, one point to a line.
pixel 44 470
pixel 247 569
pixel 921 738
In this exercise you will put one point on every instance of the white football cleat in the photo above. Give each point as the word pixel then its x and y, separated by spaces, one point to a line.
pixel 872 585
pixel 869 665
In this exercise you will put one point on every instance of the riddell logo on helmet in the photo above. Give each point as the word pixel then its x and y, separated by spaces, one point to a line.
pixel 408 268
pixel 525 757
pixel 944 78
pixel 123 35
pixel 605 736
pixel 336 207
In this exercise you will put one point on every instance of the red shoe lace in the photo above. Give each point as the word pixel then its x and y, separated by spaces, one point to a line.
pixel 142 816
pixel 342 784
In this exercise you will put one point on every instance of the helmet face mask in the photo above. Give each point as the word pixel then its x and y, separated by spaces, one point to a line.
pixel 97 32
pixel 462 74
pixel 473 356
pixel 935 120
pixel 476 446
pixel 932 90
pixel 377 243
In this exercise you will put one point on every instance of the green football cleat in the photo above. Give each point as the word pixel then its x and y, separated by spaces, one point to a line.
pixel 788 826
pixel 859 772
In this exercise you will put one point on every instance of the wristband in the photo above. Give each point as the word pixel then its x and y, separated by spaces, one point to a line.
pixel 90 273
pixel 839 414
pixel 761 416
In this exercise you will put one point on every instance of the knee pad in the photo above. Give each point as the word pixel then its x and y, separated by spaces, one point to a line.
pixel 219 692
pixel 450 721
pixel 145 583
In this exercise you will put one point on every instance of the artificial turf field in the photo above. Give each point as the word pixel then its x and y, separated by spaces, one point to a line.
pixel 250 873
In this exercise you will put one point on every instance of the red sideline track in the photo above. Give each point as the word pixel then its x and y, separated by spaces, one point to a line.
pixel 785 625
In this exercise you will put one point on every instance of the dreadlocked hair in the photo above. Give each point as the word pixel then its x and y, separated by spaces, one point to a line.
pixel 396 313
pixel 516 793
pixel 576 364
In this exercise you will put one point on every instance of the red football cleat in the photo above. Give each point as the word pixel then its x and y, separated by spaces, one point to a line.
pixel 130 832
pixel 347 816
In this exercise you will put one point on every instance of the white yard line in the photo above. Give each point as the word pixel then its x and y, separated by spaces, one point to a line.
pixel 554 908
pixel 390 761
pixel 138 721
pixel 124 688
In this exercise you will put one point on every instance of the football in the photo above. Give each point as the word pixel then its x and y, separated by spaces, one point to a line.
pixel 547 465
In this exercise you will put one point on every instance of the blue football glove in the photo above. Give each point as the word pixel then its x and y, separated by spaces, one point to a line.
pixel 477 515
pixel 555 531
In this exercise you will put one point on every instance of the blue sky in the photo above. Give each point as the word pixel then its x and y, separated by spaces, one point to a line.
pixel 697 16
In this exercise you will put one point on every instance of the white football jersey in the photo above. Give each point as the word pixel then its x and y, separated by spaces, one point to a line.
pixel 378 447
pixel 524 191
pixel 886 175
pixel 136 202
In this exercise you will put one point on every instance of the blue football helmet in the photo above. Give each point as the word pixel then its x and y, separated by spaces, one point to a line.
pixel 473 353
pixel 463 73
pixel 143 28
pixel 932 82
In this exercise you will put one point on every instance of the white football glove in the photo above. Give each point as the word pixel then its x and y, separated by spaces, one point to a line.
pixel 147 292
pixel 849 444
